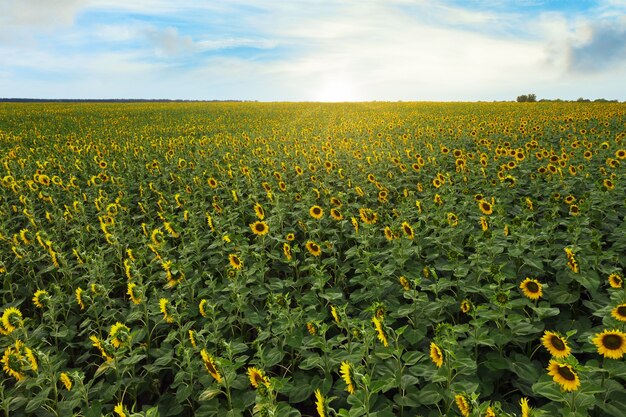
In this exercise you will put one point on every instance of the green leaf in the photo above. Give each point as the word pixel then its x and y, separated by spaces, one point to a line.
pixel 430 394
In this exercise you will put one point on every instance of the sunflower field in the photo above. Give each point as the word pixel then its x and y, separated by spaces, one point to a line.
pixel 365 259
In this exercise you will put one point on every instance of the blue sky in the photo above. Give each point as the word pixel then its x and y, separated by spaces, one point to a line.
pixel 329 50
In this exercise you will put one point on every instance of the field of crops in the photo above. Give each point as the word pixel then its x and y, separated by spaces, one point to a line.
pixel 370 259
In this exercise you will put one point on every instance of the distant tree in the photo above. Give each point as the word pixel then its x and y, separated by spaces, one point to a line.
pixel 527 98
pixel 583 100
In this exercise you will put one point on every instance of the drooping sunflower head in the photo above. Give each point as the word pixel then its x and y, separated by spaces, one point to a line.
pixel 464 405
pixel 211 367
pixel 41 298
pixel 66 381
pixel 320 404
pixel 611 343
pixel 235 261
pixel 436 354
pixel 335 314
pixel 316 212
pixel 556 345
pixel 259 228
pixel 119 334
pixel 11 319
pixel 347 374
pixel 388 233
pixel 257 377
pixel 406 284
pixel 526 409
pixel 616 280
pixel 531 288
pixel 380 331
pixel 619 312
pixel 259 212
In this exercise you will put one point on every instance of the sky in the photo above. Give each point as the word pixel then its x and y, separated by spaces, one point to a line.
pixel 326 50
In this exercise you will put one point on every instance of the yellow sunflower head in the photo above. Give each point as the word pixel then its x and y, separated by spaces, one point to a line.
pixel 259 228
pixel 556 345
pixel 436 355
pixel 619 312
pixel 564 375
pixel 616 280
pixel 531 288
pixel 611 343
pixel 316 212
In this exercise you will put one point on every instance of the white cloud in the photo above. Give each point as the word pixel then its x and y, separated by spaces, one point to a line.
pixel 351 49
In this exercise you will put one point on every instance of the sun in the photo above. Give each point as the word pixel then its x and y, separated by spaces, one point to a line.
pixel 336 88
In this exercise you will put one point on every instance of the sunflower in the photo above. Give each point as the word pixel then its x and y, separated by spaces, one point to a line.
pixel 290 237
pixel 11 319
pixel 311 328
pixel 408 230
pixel 66 380
pixel 347 374
pixel 490 412
pixel 157 237
pixel 259 228
pixel 531 288
pixel 382 336
pixel 620 154
pixel 463 404
pixel 163 303
pixel 335 314
pixel 571 260
pixel 485 207
pixel 355 224
pixel 320 404
pixel 368 216
pixel 212 182
pixel 13 362
pixel 257 377
pixel 259 211
pixel 41 298
pixel 313 248
pixel 616 281
pixel 335 214
pixel 388 233
pixel 99 344
pixel 132 292
pixel 466 306
pixel 526 409
pixel 453 220
pixel 235 261
pixel 316 212
pixel 608 184
pixel 209 364
pixel 119 410
pixel 484 225
pixel 287 251
pixel 119 334
pixel 192 338
pixel 406 285
pixel 436 355
pixel 611 343
pixel 619 312
pixel 556 345
pixel 201 307
pixel 79 297
pixel 564 375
